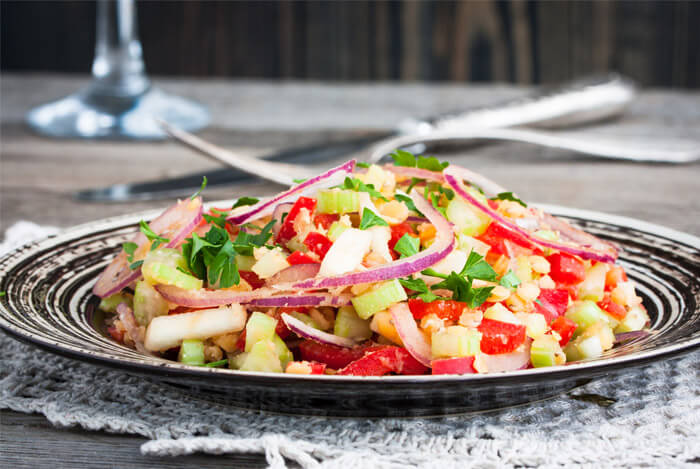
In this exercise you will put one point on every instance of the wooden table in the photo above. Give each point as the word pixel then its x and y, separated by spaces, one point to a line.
pixel 38 175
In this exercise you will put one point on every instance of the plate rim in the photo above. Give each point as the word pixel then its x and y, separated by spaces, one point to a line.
pixel 166 368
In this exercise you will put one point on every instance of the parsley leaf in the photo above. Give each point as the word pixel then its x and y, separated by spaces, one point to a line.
pixel 510 280
pixel 508 196
pixel 403 158
pixel 245 201
pixel 407 246
pixel 418 285
pixel 148 232
pixel 204 184
pixel 362 164
pixel 245 242
pixel 462 290
pixel 222 269
pixel 359 186
pixel 299 180
pixel 130 248
pixel 407 200
pixel 370 219
pixel 217 363
pixel 477 267
pixel 433 273
pixel 414 181
pixel 135 265
pixel 218 220
pixel 2 293
pixel 431 163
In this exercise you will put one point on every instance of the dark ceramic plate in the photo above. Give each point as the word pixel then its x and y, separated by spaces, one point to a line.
pixel 49 304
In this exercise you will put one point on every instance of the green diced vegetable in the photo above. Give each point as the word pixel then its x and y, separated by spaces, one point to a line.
pixel 283 353
pixel 544 350
pixel 548 235
pixel 335 230
pixel 237 361
pixel 593 286
pixel 379 298
pixel 163 274
pixel 349 324
pixel 468 220
pixel 585 313
pixel 338 201
pixel 109 304
pixel 263 356
pixel 245 262
pixel 148 303
pixel 192 352
pixel 260 327
pixel 635 320
pixel 455 341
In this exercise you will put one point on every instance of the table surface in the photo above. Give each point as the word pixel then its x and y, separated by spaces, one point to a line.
pixel 38 176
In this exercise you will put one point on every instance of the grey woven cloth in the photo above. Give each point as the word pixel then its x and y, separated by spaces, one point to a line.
pixel 646 418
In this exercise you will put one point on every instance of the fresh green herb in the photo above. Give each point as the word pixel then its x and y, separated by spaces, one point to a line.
pixel 359 186
pixel 184 271
pixel 463 291
pixel 477 267
pixel 130 248
pixel 414 181
pixel 419 286
pixel 2 293
pixel 407 200
pixel 449 193
pixel 245 242
pixel 370 219
pixel 362 164
pixel 433 273
pixel 204 184
pixel 407 246
pixel 404 158
pixel 217 364
pixel 135 265
pixel 284 215
pixel 245 201
pixel 148 232
pixel 222 268
pixel 299 180
pixel 218 220
pixel 510 280
pixel 508 196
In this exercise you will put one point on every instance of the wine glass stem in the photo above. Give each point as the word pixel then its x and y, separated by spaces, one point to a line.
pixel 118 69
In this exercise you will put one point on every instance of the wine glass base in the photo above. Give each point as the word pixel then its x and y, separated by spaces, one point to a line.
pixel 88 114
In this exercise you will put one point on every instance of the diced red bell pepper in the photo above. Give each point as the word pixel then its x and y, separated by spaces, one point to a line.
pixel 116 334
pixel 386 360
pixel 397 232
pixel 565 327
pixel 552 302
pixel 240 343
pixel 318 244
pixel 298 257
pixel 615 275
pixel 332 355
pixel 500 337
pixel 496 235
pixel 325 220
pixel 566 269
pixel 252 279
pixel 314 368
pixel 613 309
pixel 444 309
pixel 287 229
pixel 453 366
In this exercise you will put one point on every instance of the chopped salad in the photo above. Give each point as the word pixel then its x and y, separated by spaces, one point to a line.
pixel 410 268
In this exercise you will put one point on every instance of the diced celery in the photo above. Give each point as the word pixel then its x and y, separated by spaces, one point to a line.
pixel 192 352
pixel 590 347
pixel 163 274
pixel 635 320
pixel 109 304
pixel 455 341
pixel 349 324
pixel 270 263
pixel 245 262
pixel 148 303
pixel 166 256
pixel 263 356
pixel 468 244
pixel 585 313
pixel 544 351
pixel 380 297
pixel 237 361
pixel 593 286
pixel 283 353
pixel 595 339
pixel 467 219
pixel 335 230
pixel 260 327
pixel 337 201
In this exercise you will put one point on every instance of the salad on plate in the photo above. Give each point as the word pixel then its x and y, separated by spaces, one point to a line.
pixel 417 267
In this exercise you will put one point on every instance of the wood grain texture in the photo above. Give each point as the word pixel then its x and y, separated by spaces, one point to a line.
pixel 655 42
pixel 38 175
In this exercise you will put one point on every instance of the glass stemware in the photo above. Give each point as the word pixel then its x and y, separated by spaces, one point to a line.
pixel 120 102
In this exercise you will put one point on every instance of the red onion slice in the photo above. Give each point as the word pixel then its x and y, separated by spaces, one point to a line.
pixel 277 213
pixel 453 178
pixel 517 360
pixel 488 186
pixel 294 273
pixel 176 223
pixel 412 338
pixel 204 298
pixel 624 337
pixel 441 247
pixel 304 330
pixel 330 178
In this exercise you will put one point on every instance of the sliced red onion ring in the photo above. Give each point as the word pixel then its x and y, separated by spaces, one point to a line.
pixel 412 338
pixel 416 219
pixel 277 214
pixel 304 330
pixel 204 298
pixel 441 247
pixel 628 336
pixel 330 178
pixel 453 177
pixel 488 186
pixel 517 360
pixel 572 235
pixel 294 273
pixel 126 316
pixel 176 223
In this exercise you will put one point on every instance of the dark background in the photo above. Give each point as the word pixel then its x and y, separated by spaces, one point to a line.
pixel 655 42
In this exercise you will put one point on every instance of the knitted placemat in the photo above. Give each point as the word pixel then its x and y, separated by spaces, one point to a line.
pixel 647 417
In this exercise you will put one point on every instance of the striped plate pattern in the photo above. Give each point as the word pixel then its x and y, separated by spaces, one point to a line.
pixel 48 303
